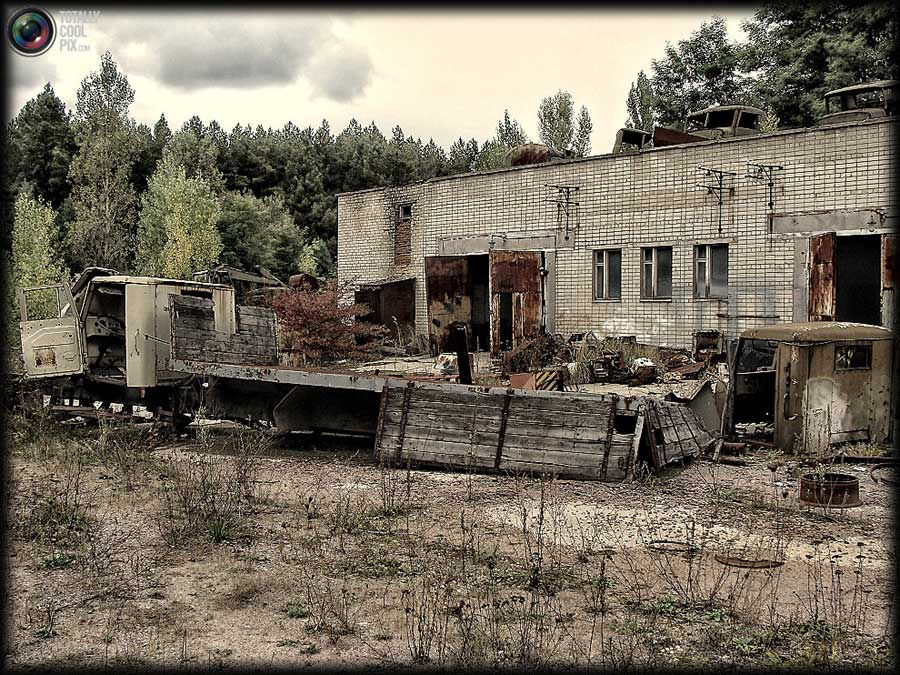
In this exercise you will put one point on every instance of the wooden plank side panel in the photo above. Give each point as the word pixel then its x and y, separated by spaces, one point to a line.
pixel 467 430
pixel 675 432
pixel 568 403
pixel 194 336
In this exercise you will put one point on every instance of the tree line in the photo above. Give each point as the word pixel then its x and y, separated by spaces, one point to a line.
pixel 793 54
pixel 107 191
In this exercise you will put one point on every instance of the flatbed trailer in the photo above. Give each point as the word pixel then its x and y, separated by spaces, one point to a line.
pixel 575 434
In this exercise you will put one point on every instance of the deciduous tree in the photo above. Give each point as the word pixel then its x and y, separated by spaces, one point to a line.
pixel 640 104
pixel 318 329
pixel 701 71
pixel 797 52
pixel 35 260
pixel 178 225
pixel 558 127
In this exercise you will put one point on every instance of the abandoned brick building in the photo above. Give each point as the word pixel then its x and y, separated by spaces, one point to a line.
pixel 719 235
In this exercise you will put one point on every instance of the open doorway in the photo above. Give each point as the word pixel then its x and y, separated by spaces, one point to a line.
pixel 391 304
pixel 457 289
pixel 498 295
pixel 858 276
pixel 480 327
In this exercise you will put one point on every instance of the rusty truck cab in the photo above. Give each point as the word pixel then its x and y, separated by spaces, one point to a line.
pixel 109 341
pixel 724 121
pixel 819 383
pixel 860 102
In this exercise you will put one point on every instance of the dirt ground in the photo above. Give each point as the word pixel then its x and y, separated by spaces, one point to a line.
pixel 238 549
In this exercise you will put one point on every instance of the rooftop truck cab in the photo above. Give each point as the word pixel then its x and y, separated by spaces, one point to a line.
pixel 860 102
pixel 725 121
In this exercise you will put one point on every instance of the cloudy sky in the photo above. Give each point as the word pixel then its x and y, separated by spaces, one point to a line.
pixel 436 74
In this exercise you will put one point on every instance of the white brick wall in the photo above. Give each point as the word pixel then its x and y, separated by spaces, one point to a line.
pixel 627 201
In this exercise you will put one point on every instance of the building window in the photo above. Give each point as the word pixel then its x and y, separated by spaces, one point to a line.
pixel 853 357
pixel 711 271
pixel 608 275
pixel 656 273
pixel 403 235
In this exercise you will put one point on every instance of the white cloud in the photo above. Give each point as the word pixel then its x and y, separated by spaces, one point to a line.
pixel 340 72
pixel 189 51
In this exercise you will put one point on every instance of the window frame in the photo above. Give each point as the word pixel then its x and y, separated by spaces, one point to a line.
pixel 604 252
pixel 400 217
pixel 654 272
pixel 864 346
pixel 707 263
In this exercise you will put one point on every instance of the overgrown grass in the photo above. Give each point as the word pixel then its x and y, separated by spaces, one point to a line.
pixel 211 496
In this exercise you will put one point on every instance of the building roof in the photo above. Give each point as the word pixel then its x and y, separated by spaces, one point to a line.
pixel 877 84
pixel 818 331
pixel 626 156
pixel 390 279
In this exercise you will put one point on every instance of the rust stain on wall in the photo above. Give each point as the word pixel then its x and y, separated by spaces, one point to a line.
pixel 44 356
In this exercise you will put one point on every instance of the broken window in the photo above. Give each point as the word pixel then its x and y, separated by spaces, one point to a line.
pixel 852 356
pixel 869 99
pixel 711 271
pixel 756 355
pixel 656 272
pixel 696 122
pixel 719 118
pixel 197 294
pixel 41 303
pixel 608 274
pixel 403 235
pixel 748 120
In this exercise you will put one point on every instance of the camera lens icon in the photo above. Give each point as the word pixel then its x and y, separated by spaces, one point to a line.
pixel 31 31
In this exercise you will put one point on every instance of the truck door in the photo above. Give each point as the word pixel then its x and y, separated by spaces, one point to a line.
pixel 52 343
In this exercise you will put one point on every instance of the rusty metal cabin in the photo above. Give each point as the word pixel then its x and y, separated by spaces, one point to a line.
pixel 860 102
pixel 820 383
pixel 725 120
pixel 110 341
pixel 721 234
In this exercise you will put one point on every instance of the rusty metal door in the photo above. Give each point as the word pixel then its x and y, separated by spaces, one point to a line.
pixel 52 339
pixel 822 282
pixel 448 299
pixel 515 278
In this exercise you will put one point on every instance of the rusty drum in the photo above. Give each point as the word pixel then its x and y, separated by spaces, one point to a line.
pixel 830 490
